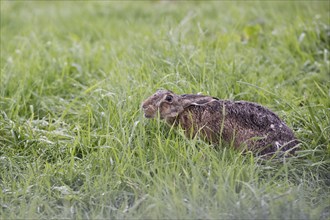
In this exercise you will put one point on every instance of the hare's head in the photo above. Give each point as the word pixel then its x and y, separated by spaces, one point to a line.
pixel 164 102
pixel 169 105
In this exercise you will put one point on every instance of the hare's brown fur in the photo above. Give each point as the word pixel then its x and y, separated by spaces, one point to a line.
pixel 245 124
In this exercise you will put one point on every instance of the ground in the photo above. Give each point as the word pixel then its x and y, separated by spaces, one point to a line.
pixel 73 140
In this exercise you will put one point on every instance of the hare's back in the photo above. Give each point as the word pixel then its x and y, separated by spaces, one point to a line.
pixel 252 115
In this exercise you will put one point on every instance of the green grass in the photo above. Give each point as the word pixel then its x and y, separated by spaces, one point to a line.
pixel 74 143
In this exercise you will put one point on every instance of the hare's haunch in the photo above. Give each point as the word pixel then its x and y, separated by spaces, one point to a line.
pixel 245 124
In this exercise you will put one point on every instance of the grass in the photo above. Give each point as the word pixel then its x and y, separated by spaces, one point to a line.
pixel 74 143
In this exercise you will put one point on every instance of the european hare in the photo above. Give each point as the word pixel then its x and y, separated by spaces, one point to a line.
pixel 243 124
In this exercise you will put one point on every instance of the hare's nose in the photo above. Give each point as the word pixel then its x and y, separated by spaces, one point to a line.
pixel 144 106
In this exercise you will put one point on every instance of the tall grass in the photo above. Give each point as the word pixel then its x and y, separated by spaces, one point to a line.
pixel 73 141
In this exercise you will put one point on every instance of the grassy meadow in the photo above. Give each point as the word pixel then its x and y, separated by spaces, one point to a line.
pixel 74 142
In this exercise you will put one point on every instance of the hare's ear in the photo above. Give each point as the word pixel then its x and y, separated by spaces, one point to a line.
pixel 187 102
pixel 197 100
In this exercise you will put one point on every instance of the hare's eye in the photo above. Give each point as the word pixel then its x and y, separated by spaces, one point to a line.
pixel 169 98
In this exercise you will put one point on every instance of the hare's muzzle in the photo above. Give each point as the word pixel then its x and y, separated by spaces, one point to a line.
pixel 148 111
pixel 148 116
